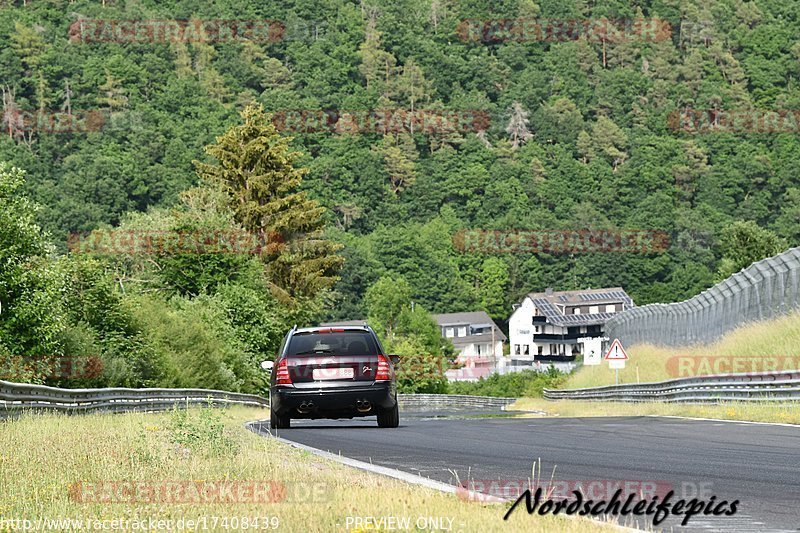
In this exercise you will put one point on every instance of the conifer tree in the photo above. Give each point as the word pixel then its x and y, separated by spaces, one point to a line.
pixel 517 128
pixel 255 170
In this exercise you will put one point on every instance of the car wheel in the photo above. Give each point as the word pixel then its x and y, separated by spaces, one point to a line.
pixel 277 421
pixel 389 418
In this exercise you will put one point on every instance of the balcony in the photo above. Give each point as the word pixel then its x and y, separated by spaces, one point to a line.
pixel 539 319
pixel 558 337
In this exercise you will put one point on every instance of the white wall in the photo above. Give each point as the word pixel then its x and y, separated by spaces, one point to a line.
pixel 519 323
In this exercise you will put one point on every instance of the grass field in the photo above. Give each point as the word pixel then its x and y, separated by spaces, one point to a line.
pixel 754 412
pixel 61 467
pixel 773 345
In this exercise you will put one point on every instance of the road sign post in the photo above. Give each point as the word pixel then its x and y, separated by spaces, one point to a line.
pixel 616 358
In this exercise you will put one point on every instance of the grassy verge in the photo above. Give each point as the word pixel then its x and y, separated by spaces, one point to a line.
pixel 42 457
pixel 773 345
pixel 761 412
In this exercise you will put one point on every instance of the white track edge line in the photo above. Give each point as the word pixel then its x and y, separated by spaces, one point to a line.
pixel 781 424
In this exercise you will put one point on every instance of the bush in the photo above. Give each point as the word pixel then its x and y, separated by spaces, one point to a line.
pixel 194 354
pixel 201 431
pixel 517 384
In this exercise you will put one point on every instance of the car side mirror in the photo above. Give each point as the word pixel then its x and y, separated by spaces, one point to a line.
pixel 267 365
pixel 394 359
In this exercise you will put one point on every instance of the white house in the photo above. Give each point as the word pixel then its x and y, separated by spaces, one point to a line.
pixel 477 340
pixel 556 327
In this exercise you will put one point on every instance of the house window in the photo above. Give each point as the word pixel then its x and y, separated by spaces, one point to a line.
pixel 539 349
pixel 576 311
pixel 525 350
pixel 611 308
pixel 537 329
pixel 478 349
pixel 462 332
pixel 594 309
pixel 516 349
pixel 552 349
pixel 449 333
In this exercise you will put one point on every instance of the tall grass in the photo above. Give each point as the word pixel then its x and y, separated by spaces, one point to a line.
pixel 41 456
pixel 772 412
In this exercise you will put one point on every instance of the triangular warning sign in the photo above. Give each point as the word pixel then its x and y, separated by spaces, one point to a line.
pixel 616 352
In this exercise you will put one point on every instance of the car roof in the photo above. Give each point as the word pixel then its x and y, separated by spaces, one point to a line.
pixel 335 328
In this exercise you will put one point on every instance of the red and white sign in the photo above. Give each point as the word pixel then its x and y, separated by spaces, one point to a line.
pixel 616 355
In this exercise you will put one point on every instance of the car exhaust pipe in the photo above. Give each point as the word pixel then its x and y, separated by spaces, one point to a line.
pixel 305 407
pixel 363 406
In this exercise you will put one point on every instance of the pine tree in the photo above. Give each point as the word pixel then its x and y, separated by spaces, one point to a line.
pixel 608 139
pixel 518 126
pixel 113 95
pixel 376 63
pixel 183 59
pixel 399 157
pixel 412 84
pixel 12 120
pixel 584 146
pixel 275 74
pixel 29 46
pixel 66 96
pixel 255 170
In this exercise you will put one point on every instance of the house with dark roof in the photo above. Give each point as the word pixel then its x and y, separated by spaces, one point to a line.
pixel 559 326
pixel 478 342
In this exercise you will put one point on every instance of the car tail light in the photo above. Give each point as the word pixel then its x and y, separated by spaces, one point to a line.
pixel 384 372
pixel 282 376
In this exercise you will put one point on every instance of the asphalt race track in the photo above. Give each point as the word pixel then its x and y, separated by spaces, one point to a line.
pixel 757 464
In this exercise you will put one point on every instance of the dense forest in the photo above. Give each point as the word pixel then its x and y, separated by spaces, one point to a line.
pixel 574 133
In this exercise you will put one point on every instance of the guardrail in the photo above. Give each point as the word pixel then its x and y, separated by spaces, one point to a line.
pixel 15 397
pixel 425 402
pixel 761 386
pixel 18 396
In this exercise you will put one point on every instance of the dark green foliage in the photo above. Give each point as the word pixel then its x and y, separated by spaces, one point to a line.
pixel 32 318
pixel 528 383
pixel 408 330
pixel 579 138
pixel 256 172
pixel 743 243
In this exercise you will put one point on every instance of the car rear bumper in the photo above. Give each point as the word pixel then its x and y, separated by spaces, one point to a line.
pixel 333 402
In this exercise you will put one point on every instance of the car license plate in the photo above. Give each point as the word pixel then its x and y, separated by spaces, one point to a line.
pixel 332 373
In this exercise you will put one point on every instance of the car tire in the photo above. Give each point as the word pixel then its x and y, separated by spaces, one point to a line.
pixel 277 421
pixel 389 418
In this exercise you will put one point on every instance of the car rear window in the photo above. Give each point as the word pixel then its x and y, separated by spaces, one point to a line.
pixel 337 343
